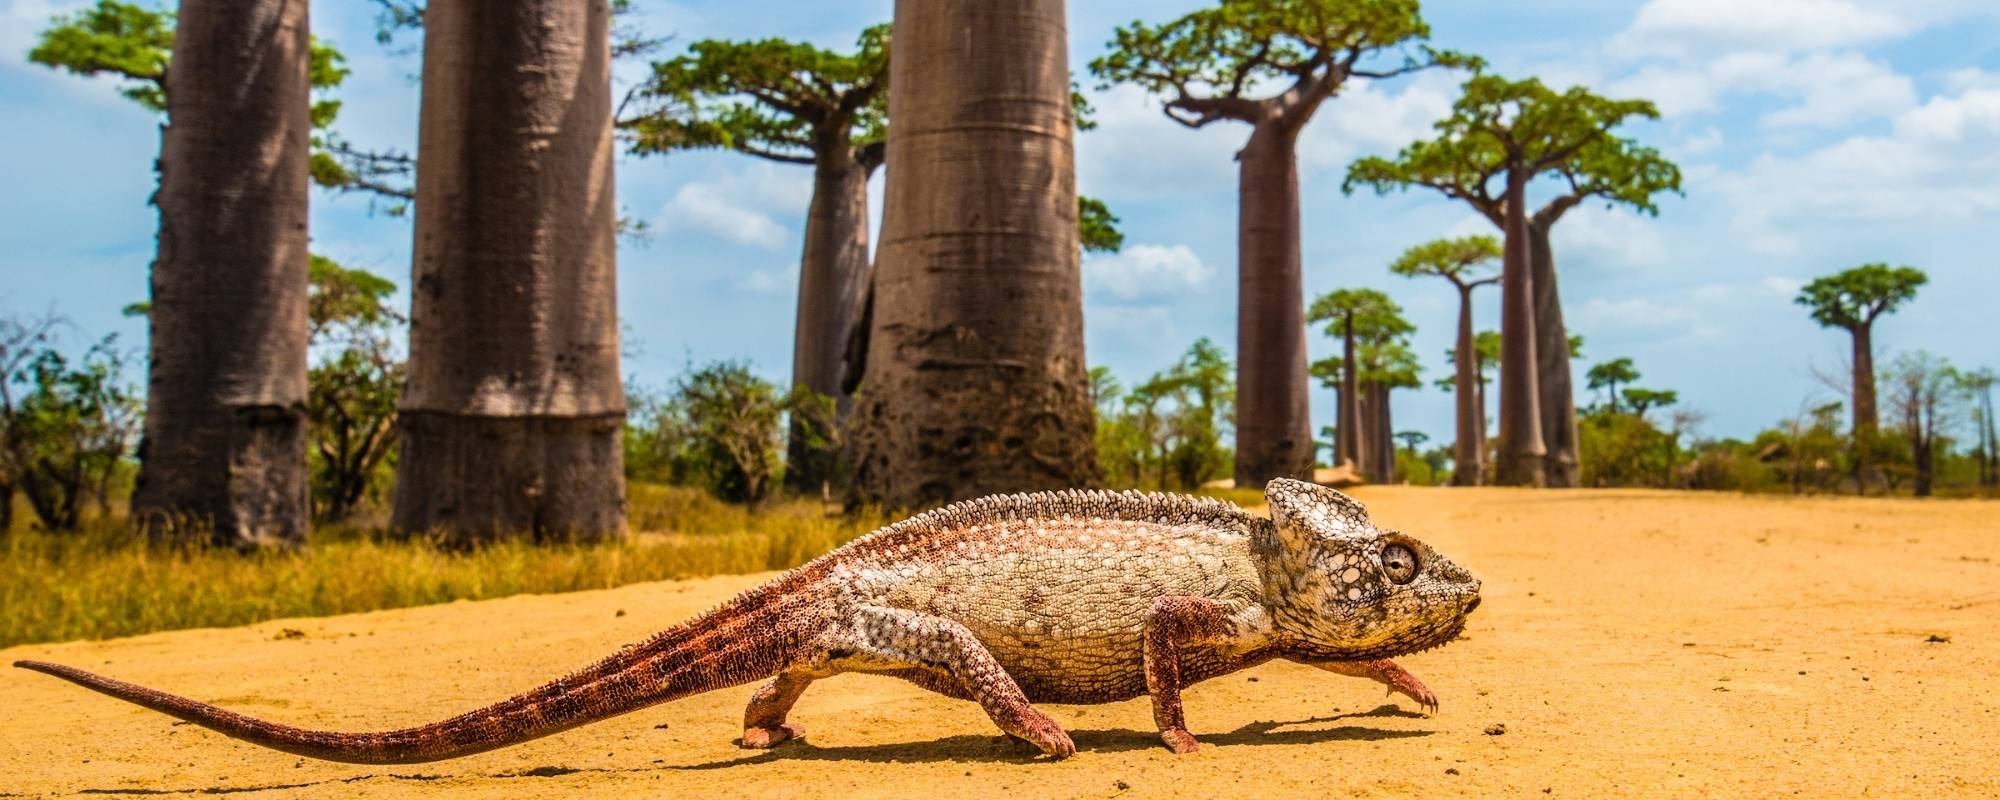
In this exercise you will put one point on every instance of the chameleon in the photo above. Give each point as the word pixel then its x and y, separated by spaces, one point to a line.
pixel 1062 597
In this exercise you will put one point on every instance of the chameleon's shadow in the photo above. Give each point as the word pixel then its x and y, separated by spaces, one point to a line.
pixel 994 748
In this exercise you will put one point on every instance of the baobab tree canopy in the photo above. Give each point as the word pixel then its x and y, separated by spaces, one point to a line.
pixel 1210 63
pixel 1855 297
pixel 769 98
pixel 1456 259
pixel 1498 125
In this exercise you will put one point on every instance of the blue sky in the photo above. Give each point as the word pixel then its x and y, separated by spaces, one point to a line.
pixel 1814 134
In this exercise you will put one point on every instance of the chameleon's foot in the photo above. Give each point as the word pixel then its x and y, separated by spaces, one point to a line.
pixel 766 738
pixel 1179 741
pixel 1390 674
pixel 1036 728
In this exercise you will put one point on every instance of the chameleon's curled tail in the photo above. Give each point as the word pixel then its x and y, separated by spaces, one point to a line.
pixel 749 638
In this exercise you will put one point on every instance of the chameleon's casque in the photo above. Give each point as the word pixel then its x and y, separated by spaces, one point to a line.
pixel 1060 597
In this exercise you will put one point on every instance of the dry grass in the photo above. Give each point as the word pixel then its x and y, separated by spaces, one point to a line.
pixel 100 583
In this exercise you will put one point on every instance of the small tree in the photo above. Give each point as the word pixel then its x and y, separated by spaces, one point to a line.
pixel 1979 384
pixel 1373 337
pixel 352 386
pixel 1642 400
pixel 65 427
pixel 1608 376
pixel 729 424
pixel 1852 300
pixel 1925 395
pixel 1459 261
pixel 1269 64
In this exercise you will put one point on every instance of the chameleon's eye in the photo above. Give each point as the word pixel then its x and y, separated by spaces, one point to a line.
pixel 1400 563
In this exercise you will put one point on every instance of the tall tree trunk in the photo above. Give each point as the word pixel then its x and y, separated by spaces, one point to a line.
pixel 1484 424
pixel 1385 435
pixel 1552 364
pixel 6 508
pixel 225 441
pixel 1866 420
pixel 1992 472
pixel 975 381
pixel 1273 418
pixel 1350 399
pixel 1364 432
pixel 1467 453
pixel 833 285
pixel 1522 456
pixel 511 417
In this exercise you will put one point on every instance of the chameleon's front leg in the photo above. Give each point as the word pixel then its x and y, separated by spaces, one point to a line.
pixel 1388 673
pixel 1173 623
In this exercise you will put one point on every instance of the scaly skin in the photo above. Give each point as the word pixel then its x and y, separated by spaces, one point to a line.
pixel 1058 597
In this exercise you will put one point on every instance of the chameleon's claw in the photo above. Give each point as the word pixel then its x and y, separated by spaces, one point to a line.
pixel 1179 741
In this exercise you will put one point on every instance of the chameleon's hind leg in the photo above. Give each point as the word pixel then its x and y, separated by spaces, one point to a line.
pixel 1388 673
pixel 764 722
pixel 894 640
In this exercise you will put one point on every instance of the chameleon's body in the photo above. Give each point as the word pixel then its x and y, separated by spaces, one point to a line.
pixel 1065 597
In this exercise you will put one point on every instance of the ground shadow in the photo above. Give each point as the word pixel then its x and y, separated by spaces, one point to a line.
pixel 999 748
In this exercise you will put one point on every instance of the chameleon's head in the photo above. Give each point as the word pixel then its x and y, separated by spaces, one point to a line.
pixel 1352 588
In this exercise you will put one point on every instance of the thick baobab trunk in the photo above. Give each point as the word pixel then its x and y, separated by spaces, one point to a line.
pixel 1552 363
pixel 1521 460
pixel 510 422
pixel 225 449
pixel 1273 419
pixel 1349 407
pixel 1866 421
pixel 975 380
pixel 833 285
pixel 1469 439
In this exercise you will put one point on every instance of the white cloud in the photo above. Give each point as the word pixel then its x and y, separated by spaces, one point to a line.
pixel 1682 26
pixel 770 281
pixel 1137 149
pixel 1829 90
pixel 1144 272
pixel 740 208
pixel 1613 238
pixel 1368 118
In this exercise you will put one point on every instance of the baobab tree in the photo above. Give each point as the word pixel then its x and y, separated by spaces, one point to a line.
pixel 1510 133
pixel 1979 383
pixel 975 379
pixel 1365 320
pixel 794 103
pixel 790 103
pixel 1852 300
pixel 1609 376
pixel 225 444
pixel 1460 261
pixel 1269 64
pixel 511 417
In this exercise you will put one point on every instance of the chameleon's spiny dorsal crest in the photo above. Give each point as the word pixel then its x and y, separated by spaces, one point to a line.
pixel 1060 597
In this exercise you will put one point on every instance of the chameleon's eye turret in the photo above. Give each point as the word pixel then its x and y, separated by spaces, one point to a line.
pixel 1399 563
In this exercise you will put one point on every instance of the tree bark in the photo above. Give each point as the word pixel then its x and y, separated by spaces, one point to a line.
pixel 833 285
pixel 1552 362
pixel 1350 399
pixel 1467 448
pixel 511 417
pixel 1273 417
pixel 1866 420
pixel 1384 438
pixel 1522 457
pixel 225 449
pixel 975 380
pixel 1364 432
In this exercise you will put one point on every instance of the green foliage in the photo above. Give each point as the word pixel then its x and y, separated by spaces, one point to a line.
pixel 351 388
pixel 1097 227
pixel 771 98
pixel 1427 468
pixel 1853 298
pixel 103 582
pixel 1609 376
pixel 1168 431
pixel 124 40
pixel 1381 336
pixel 66 425
pixel 1641 400
pixel 1208 62
pixel 1500 126
pixel 722 428
pixel 1625 450
pixel 1458 260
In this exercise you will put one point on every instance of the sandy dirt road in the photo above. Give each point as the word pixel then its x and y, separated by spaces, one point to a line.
pixel 1630 643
